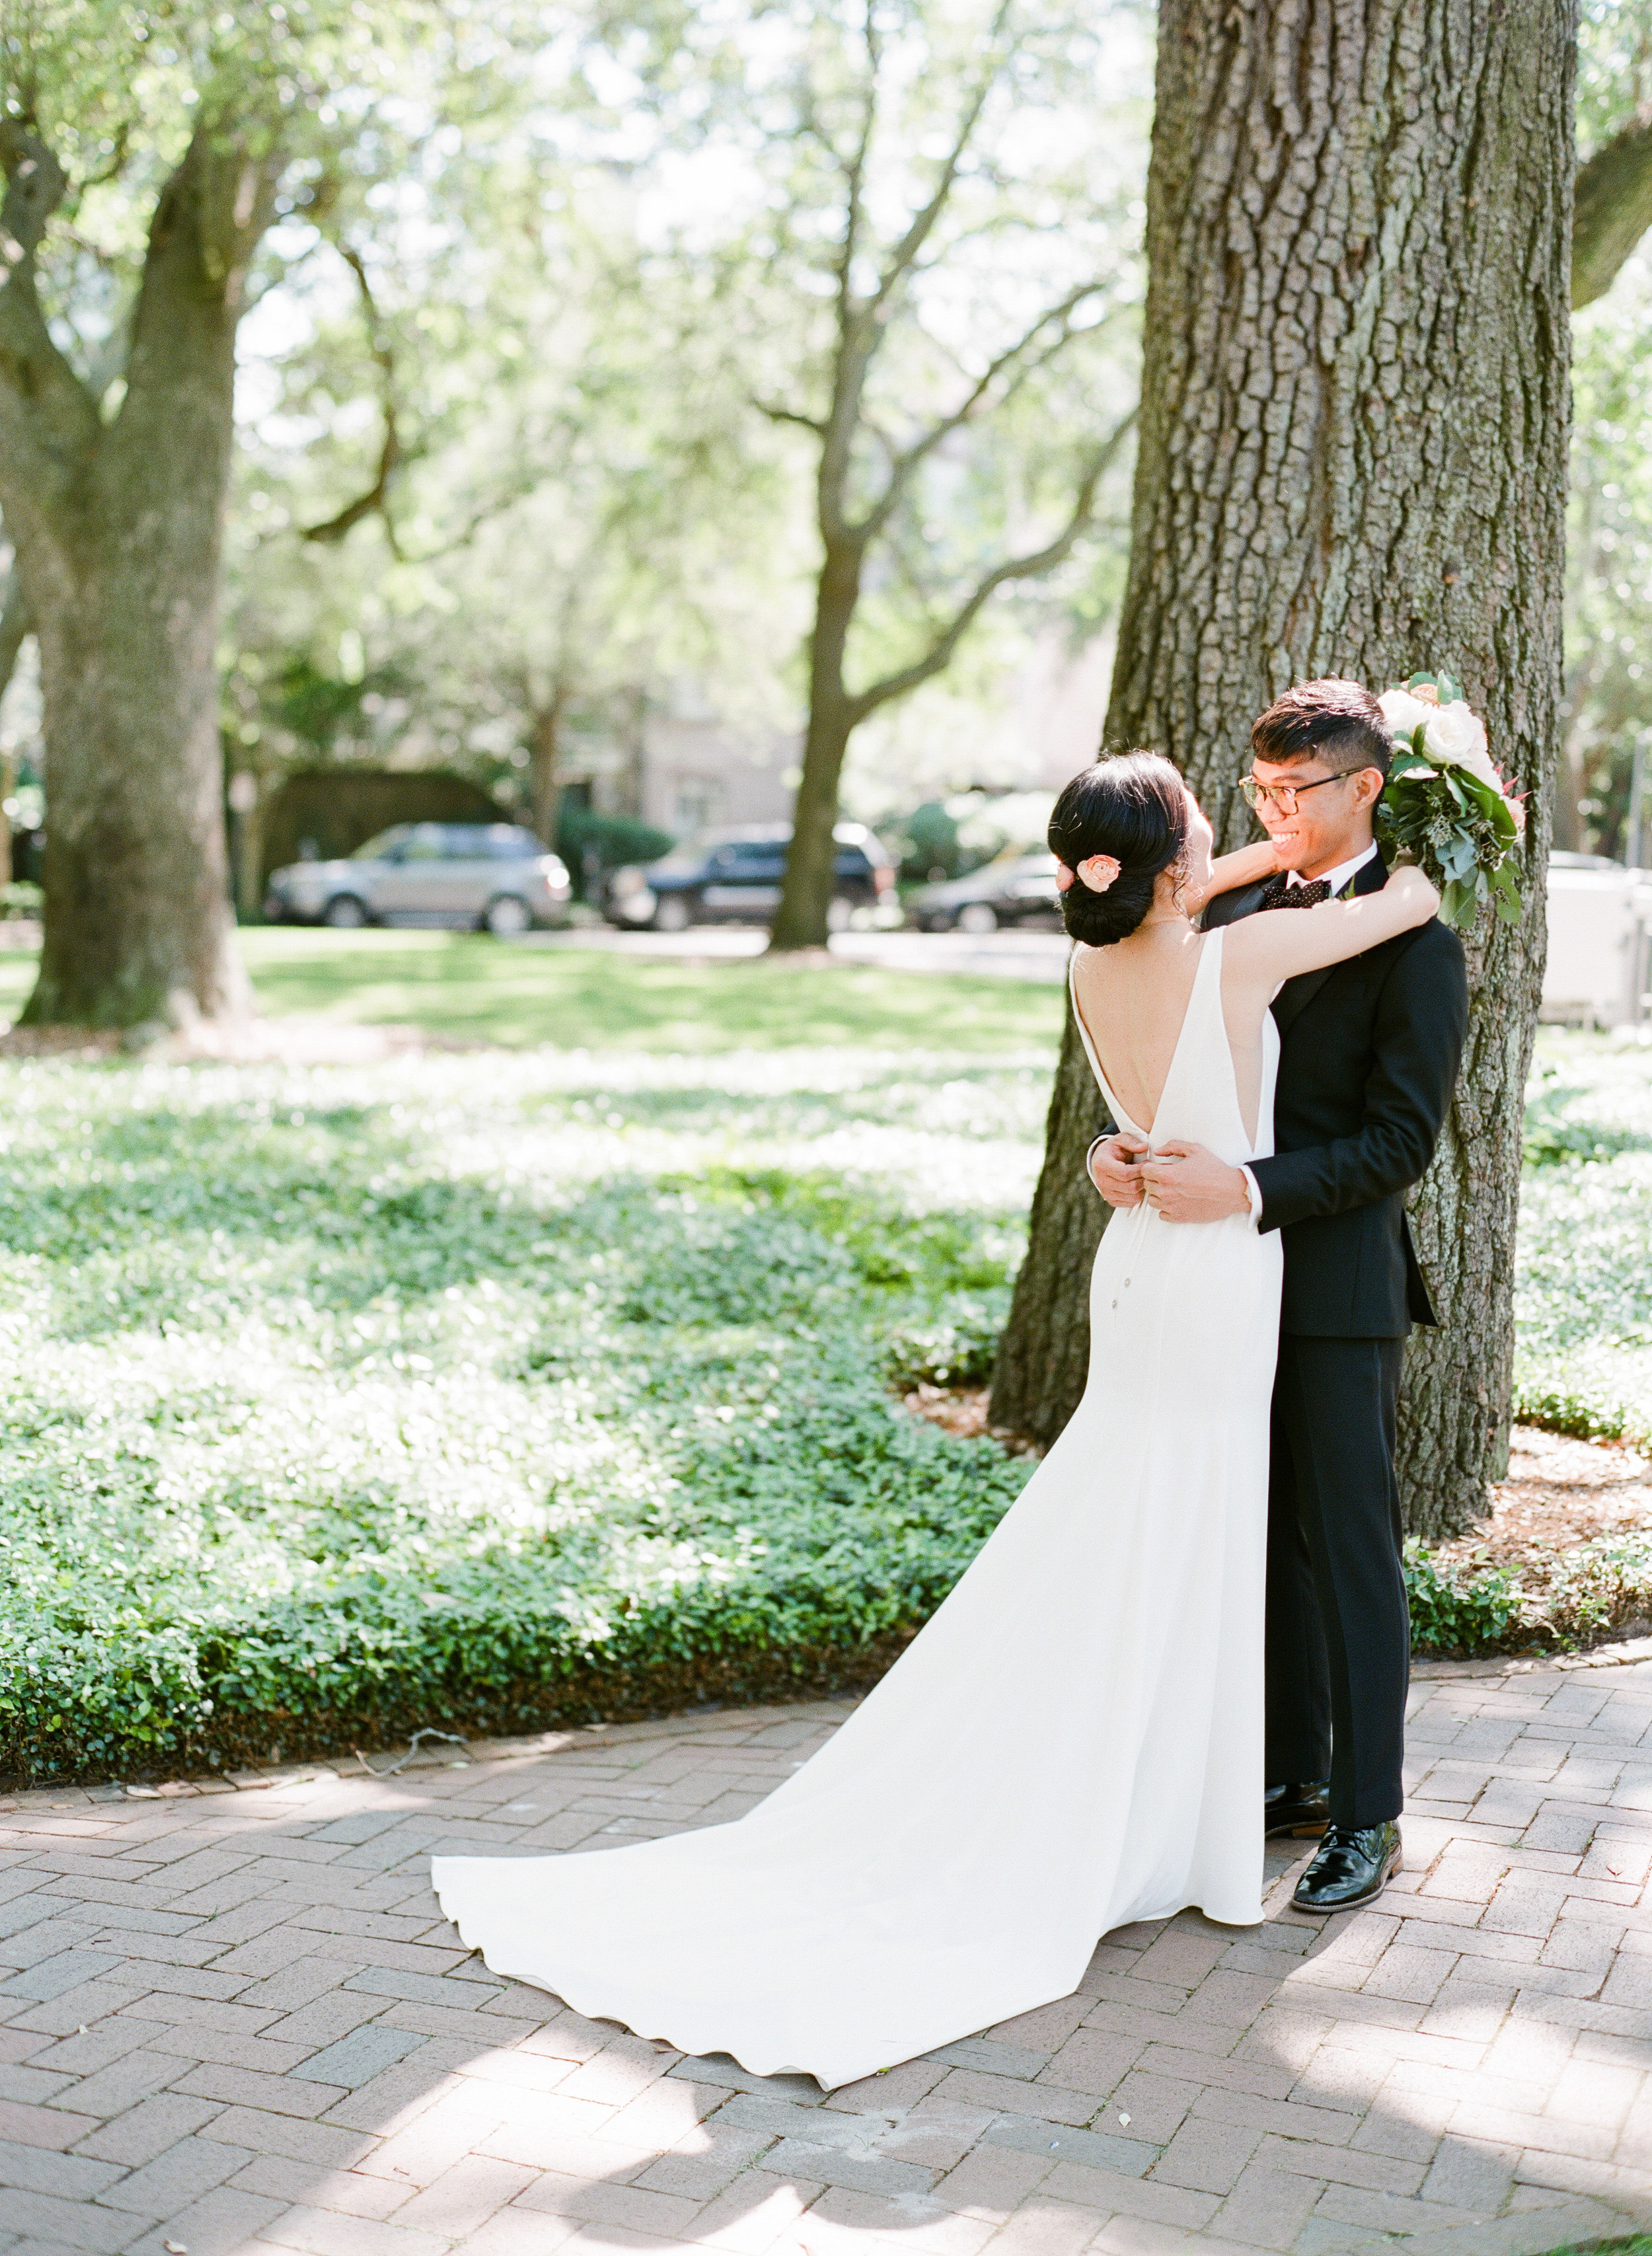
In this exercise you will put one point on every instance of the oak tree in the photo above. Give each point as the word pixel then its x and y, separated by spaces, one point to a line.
pixel 1351 460
pixel 146 150
pixel 954 258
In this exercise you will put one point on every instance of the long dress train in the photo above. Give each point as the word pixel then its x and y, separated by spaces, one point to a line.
pixel 1073 1741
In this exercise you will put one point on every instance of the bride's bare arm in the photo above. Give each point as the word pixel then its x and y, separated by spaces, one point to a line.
pixel 1249 867
pixel 1276 946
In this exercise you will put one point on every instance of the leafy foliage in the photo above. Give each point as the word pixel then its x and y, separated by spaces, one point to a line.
pixel 1584 1329
pixel 340 1402
pixel 1584 1290
pixel 1441 810
pixel 1456 1613
pixel 1608 709
pixel 611 839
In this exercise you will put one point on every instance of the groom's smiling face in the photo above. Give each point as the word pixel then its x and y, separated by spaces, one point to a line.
pixel 1331 822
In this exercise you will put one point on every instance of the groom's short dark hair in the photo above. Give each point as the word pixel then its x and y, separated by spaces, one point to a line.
pixel 1339 721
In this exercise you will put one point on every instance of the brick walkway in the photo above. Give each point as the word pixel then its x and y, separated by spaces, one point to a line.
pixel 232 2020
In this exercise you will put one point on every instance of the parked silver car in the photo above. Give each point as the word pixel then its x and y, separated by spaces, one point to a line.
pixel 488 876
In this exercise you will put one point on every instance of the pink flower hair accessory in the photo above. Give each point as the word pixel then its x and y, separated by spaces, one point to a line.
pixel 1098 871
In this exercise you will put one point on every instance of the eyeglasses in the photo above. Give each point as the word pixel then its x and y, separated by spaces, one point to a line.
pixel 1285 795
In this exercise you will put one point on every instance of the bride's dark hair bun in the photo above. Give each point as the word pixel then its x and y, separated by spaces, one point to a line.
pixel 1133 806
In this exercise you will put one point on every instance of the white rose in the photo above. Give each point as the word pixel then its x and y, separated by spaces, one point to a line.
pixel 1405 713
pixel 1455 732
pixel 1457 737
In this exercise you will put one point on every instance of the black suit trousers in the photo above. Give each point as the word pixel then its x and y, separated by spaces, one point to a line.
pixel 1338 1638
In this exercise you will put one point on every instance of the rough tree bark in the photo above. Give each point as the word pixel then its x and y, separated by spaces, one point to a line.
pixel 116 526
pixel 1353 461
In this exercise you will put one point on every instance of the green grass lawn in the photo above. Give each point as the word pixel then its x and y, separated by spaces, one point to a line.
pixel 469 986
pixel 545 1382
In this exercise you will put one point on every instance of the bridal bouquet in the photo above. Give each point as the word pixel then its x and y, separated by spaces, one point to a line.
pixel 1446 808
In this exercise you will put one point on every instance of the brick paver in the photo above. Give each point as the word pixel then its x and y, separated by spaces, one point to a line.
pixel 233 2022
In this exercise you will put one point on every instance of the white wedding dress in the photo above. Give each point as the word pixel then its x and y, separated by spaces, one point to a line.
pixel 1073 1741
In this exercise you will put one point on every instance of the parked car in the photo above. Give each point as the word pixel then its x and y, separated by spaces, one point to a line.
pixel 734 876
pixel 1019 889
pixel 488 876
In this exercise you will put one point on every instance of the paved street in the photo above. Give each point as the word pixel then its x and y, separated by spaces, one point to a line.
pixel 232 2020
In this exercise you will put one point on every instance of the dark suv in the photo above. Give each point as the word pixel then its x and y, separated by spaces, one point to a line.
pixel 734 876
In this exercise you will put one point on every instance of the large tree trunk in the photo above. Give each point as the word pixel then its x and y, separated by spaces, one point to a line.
pixel 805 895
pixel 1353 461
pixel 545 781
pixel 121 567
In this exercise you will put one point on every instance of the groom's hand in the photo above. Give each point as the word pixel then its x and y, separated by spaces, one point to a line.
pixel 1186 1183
pixel 1113 1172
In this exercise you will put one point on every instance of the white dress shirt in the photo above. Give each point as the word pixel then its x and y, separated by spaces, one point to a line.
pixel 1343 872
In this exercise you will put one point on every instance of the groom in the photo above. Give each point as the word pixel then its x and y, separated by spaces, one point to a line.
pixel 1369 1053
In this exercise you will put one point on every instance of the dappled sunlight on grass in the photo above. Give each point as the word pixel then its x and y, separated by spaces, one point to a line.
pixel 467 987
pixel 482 1387
pixel 471 987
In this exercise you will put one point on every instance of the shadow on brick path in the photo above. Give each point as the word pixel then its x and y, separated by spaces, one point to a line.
pixel 232 2021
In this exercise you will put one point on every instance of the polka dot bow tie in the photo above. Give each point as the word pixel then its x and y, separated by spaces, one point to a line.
pixel 1279 893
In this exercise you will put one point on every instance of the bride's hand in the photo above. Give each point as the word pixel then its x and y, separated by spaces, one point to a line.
pixel 1113 1171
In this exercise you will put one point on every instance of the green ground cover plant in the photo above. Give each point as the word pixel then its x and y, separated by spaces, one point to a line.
pixel 1636 2243
pixel 481 1392
pixel 490 1390
pixel 1585 1292
pixel 1583 1347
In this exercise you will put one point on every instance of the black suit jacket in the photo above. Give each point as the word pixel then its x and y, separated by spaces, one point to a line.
pixel 1368 1057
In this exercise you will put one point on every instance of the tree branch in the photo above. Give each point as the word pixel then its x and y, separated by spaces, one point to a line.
pixel 16 624
pixel 855 171
pixel 923 223
pixel 789 415
pixel 376 500
pixel 1015 567
pixel 47 417
pixel 1613 211
pixel 906 464
pixel 861 320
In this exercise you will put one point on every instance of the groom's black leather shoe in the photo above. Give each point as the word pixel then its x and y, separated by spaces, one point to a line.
pixel 1298 1811
pixel 1351 1867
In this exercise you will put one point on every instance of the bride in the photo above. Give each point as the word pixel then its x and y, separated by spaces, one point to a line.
pixel 1075 1740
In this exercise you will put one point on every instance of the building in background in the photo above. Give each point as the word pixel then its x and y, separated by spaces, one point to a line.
pixel 681 768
